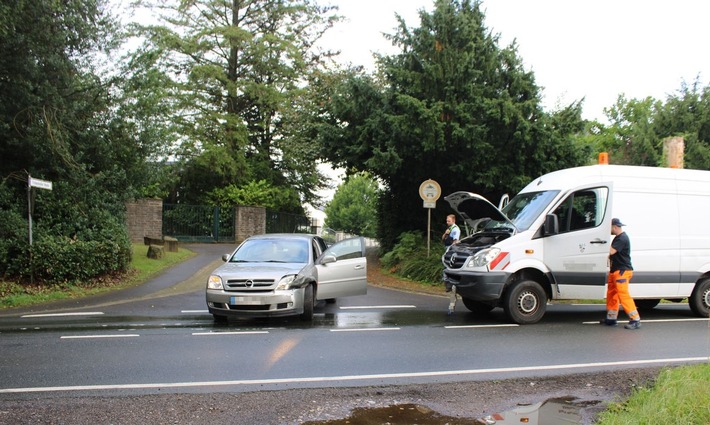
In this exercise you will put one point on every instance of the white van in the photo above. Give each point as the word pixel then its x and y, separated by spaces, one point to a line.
pixel 551 241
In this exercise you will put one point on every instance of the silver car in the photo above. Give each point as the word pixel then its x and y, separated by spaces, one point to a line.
pixel 285 274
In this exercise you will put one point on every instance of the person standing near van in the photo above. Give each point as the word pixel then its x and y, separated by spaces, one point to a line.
pixel 620 273
pixel 452 233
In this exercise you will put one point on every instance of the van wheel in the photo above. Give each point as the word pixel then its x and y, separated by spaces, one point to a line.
pixel 525 302
pixel 646 304
pixel 699 300
pixel 478 308
pixel 308 304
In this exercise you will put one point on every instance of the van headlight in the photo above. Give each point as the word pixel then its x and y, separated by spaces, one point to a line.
pixel 285 282
pixel 214 282
pixel 484 257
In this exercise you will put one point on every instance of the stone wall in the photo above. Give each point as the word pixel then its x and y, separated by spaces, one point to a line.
pixel 144 217
pixel 249 221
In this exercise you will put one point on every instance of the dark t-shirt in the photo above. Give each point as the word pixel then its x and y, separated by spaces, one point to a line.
pixel 621 261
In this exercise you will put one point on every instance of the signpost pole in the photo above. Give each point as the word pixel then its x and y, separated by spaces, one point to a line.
pixel 429 191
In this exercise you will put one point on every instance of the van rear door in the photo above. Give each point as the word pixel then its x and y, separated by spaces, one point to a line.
pixel 577 255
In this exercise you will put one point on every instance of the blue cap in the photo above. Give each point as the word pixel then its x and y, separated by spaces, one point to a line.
pixel 617 222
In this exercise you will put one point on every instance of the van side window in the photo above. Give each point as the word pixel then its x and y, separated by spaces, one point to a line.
pixel 583 209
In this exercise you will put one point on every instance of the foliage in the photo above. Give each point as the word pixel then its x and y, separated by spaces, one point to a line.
pixel 679 395
pixel 257 193
pixel 225 79
pixel 453 107
pixel 637 128
pixel 57 123
pixel 354 206
pixel 140 270
pixel 408 258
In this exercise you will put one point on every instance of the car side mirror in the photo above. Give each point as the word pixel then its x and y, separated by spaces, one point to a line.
pixel 225 257
pixel 328 258
pixel 552 225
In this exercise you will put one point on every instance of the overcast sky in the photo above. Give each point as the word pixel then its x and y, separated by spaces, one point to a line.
pixel 576 48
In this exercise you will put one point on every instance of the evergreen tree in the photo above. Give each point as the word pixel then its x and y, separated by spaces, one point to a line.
pixel 452 106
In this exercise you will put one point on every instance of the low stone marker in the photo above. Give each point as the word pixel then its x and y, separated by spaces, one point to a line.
pixel 155 252
pixel 171 244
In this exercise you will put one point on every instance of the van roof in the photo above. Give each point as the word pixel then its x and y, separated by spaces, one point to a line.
pixel 572 177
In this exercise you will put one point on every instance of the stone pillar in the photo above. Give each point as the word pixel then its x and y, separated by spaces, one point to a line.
pixel 144 217
pixel 249 221
pixel 673 151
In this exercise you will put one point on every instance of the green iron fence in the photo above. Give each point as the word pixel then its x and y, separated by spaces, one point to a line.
pixel 199 223
pixel 280 222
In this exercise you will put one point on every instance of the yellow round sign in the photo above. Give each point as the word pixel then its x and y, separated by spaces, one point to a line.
pixel 430 190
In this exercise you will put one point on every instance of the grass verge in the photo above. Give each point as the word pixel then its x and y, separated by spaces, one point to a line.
pixel 679 396
pixel 13 294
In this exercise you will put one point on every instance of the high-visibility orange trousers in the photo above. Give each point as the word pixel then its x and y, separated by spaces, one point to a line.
pixel 617 291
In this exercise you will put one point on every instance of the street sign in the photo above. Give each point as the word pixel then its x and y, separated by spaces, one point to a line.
pixel 41 184
pixel 429 204
pixel 430 191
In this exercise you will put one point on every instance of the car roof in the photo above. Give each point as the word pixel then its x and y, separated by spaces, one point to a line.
pixel 283 236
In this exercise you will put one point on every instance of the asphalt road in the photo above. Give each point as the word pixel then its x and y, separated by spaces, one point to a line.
pixel 159 339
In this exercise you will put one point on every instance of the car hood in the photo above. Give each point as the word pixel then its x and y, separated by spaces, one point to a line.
pixel 475 209
pixel 258 270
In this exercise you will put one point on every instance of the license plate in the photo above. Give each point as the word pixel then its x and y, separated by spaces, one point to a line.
pixel 242 300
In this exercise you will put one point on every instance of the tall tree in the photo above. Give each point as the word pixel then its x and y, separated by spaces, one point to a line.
pixel 234 69
pixel 56 124
pixel 452 106
pixel 354 206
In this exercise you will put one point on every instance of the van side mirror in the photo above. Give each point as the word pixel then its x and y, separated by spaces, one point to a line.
pixel 552 225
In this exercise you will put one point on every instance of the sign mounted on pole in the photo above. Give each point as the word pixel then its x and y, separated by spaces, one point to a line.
pixel 429 191
pixel 41 184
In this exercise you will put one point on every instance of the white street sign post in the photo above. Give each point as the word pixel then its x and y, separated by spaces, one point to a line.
pixel 40 184
pixel 429 191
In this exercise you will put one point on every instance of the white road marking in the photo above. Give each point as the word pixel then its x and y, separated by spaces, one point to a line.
pixel 480 326
pixel 98 336
pixel 229 333
pixel 655 320
pixel 364 307
pixel 364 329
pixel 88 313
pixel 324 379
pixel 194 311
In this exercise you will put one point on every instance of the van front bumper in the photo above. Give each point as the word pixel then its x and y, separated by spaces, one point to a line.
pixel 476 285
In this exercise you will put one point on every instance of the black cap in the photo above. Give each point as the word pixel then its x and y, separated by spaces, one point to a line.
pixel 617 222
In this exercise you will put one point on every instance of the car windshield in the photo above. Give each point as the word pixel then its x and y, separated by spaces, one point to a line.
pixel 272 251
pixel 523 209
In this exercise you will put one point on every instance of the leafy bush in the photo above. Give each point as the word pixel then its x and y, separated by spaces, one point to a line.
pixel 409 259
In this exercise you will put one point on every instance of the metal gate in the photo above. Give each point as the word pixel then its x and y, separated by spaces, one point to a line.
pixel 199 223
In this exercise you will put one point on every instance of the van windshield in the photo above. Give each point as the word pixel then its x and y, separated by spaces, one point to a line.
pixel 524 208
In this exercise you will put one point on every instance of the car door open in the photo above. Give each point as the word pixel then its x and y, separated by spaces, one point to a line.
pixel 342 270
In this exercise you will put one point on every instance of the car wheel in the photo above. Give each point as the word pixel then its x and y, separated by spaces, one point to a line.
pixel 699 300
pixel 479 309
pixel 525 302
pixel 646 304
pixel 308 303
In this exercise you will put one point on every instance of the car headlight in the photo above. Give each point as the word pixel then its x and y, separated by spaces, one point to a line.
pixel 484 257
pixel 286 282
pixel 214 282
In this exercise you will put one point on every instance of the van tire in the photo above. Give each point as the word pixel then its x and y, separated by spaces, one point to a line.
pixel 479 309
pixel 525 302
pixel 699 300
pixel 308 304
pixel 646 304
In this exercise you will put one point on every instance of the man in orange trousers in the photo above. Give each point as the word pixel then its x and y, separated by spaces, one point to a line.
pixel 620 273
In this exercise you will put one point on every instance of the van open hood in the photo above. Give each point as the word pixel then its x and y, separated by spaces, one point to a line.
pixel 475 209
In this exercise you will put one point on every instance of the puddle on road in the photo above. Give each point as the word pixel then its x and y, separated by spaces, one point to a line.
pixel 557 411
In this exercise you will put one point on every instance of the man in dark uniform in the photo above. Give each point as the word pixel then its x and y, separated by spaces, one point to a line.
pixel 620 273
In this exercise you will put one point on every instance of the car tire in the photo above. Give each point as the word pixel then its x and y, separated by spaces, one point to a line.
pixel 699 300
pixel 525 302
pixel 308 303
pixel 479 309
